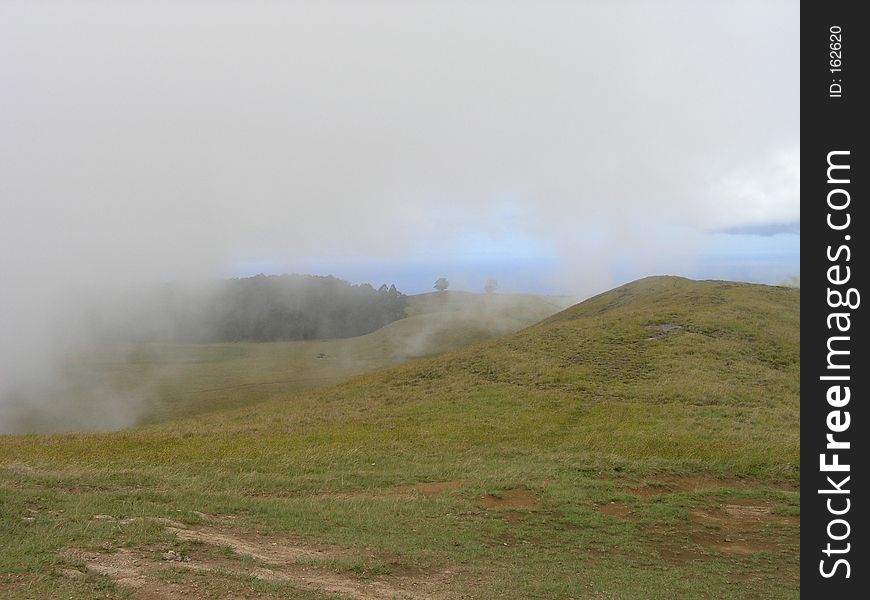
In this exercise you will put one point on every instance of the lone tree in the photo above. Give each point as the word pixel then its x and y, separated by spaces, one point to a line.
pixel 490 286
pixel 442 284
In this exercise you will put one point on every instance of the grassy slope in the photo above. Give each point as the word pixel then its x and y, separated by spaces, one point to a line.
pixel 630 443
pixel 526 308
pixel 151 383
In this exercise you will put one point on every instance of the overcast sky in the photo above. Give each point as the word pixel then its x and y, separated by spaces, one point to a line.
pixel 565 146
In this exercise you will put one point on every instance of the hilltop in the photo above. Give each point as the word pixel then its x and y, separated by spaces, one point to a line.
pixel 641 444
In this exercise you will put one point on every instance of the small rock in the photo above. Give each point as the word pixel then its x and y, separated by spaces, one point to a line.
pixel 727 539
pixel 169 555
pixel 186 559
pixel 72 573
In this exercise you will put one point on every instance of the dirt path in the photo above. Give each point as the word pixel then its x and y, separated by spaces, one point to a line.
pixel 302 565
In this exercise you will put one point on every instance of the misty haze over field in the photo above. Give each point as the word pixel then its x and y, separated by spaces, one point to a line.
pixel 560 147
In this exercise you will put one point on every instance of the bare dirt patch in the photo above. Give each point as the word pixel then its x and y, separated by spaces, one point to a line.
pixel 514 517
pixel 740 529
pixel 725 534
pixel 130 520
pixel 674 551
pixel 72 573
pixel 302 565
pixel 615 509
pixel 509 499
pixel 129 570
pixel 263 548
pixel 661 330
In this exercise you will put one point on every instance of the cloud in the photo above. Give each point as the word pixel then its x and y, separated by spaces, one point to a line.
pixel 195 134
pixel 761 196
pixel 765 229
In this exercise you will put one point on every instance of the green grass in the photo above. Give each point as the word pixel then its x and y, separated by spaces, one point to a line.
pixel 138 384
pixel 593 408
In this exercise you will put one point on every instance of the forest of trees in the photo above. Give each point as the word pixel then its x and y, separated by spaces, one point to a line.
pixel 263 308
pixel 303 307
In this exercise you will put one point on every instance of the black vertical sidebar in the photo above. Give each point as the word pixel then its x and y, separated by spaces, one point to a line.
pixel 834 368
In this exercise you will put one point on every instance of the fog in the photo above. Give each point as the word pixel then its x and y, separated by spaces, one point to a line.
pixel 151 142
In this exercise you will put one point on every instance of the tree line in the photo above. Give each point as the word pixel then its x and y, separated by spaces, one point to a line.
pixel 303 307
pixel 264 308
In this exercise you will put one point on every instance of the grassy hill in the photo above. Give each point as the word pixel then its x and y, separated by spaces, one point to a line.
pixel 526 308
pixel 642 444
pixel 124 385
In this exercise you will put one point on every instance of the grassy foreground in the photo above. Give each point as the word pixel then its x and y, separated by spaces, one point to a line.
pixel 642 444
